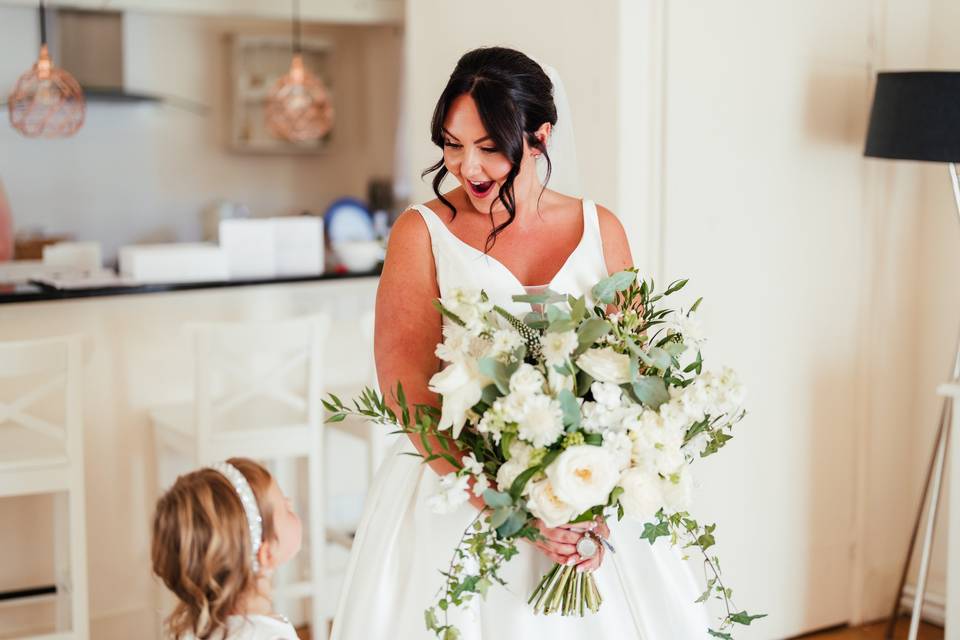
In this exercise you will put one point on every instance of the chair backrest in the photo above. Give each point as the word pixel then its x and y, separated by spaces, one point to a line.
pixel 258 374
pixel 40 397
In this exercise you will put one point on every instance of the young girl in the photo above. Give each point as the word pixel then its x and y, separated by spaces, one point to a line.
pixel 218 534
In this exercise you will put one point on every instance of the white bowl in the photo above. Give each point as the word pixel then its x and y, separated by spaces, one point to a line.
pixel 359 255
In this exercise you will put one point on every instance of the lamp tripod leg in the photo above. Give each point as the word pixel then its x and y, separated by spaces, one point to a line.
pixel 935 474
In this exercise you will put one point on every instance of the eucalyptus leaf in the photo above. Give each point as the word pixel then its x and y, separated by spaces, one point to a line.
pixel 496 371
pixel 651 391
pixel 571 410
pixel 496 499
pixel 589 332
pixel 512 525
pixel 606 290
pixel 584 380
pixel 500 516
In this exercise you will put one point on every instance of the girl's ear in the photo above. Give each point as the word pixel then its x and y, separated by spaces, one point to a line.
pixel 266 556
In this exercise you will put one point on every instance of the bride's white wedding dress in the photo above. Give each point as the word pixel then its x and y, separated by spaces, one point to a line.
pixel 401 546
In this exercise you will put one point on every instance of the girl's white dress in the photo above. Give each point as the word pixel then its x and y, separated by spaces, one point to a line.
pixel 258 627
pixel 401 545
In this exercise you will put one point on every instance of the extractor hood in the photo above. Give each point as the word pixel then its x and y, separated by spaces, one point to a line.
pixel 89 44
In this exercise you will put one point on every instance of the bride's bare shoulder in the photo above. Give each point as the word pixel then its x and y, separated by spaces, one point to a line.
pixel 616 248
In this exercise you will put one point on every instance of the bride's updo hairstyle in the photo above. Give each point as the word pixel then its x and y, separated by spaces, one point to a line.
pixel 514 97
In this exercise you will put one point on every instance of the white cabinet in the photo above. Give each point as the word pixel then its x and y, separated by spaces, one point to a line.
pixel 342 11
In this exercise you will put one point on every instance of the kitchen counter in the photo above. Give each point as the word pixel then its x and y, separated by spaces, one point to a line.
pixel 36 292
pixel 139 354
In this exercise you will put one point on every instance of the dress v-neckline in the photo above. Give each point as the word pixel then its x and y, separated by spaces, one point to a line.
pixel 505 268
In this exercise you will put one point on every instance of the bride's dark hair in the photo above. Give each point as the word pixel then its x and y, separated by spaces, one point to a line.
pixel 514 97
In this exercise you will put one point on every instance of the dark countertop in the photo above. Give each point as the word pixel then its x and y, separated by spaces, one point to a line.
pixel 10 293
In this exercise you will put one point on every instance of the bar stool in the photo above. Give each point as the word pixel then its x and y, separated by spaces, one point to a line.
pixel 42 454
pixel 256 394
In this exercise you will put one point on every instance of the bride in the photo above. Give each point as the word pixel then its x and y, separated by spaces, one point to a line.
pixel 501 229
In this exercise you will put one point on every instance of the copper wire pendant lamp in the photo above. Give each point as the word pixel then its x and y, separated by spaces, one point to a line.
pixel 47 101
pixel 298 107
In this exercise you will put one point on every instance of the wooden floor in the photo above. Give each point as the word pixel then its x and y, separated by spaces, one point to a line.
pixel 868 632
pixel 875 632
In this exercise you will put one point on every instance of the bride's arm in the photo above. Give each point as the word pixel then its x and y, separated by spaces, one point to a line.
pixel 408 326
pixel 616 249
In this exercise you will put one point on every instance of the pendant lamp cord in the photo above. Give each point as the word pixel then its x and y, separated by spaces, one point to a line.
pixel 296 26
pixel 43 24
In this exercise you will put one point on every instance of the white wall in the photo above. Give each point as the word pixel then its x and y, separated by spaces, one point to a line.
pixel 576 38
pixel 807 255
pixel 145 172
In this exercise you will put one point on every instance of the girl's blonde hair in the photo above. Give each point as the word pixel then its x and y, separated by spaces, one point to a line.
pixel 202 549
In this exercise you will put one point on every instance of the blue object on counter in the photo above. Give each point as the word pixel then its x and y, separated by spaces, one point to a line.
pixel 348 219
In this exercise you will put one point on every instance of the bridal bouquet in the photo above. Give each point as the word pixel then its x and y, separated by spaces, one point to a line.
pixel 567 414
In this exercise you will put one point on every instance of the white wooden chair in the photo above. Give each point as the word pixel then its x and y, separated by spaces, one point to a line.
pixel 374 436
pixel 257 390
pixel 41 451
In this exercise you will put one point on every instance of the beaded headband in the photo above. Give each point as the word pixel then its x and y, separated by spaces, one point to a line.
pixel 249 502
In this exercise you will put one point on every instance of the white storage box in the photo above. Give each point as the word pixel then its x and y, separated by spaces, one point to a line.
pixel 273 247
pixel 84 256
pixel 180 262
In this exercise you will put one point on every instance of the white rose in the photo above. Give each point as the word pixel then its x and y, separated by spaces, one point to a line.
pixel 544 504
pixel 606 394
pixel 526 380
pixel 542 423
pixel 461 387
pixel 451 494
pixel 642 496
pixel 583 476
pixel 605 365
pixel 557 346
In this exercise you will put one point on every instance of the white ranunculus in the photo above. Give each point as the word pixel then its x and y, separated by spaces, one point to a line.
pixel 606 394
pixel 544 504
pixel 451 494
pixel 642 496
pixel 461 387
pixel 605 365
pixel 518 463
pixel 526 380
pixel 557 346
pixel 583 476
pixel 542 422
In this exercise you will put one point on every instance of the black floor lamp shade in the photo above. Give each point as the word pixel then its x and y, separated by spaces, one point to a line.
pixel 916 116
